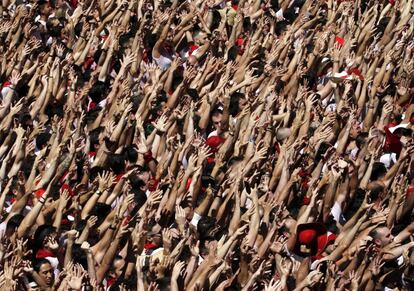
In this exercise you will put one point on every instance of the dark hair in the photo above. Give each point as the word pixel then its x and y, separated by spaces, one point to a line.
pixel 136 183
pixel 92 115
pixel 355 204
pixel 204 226
pixel 321 151
pixel 131 154
pixel 139 197
pixel 41 233
pixel 360 139
pixel 94 137
pixel 378 171
pixel 93 172
pixel 53 28
pixel 14 222
pixel 97 91
pixel 164 283
pixel 232 53
pixel 117 163
pixel 39 263
pixel 79 256
pixel 375 192
pixel 42 139
pixel 234 103
pixel 100 210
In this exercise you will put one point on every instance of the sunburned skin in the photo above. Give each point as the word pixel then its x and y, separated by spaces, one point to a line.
pixel 188 145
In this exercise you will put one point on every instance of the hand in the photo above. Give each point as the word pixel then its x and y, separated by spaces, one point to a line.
pixel 19 131
pixel 163 266
pixel 180 215
pixel 154 198
pixel 72 234
pixel 105 181
pixel 129 199
pixel 91 221
pixel 313 278
pixel 273 285
pixel 195 249
pixel 85 246
pixel 354 278
pixel 192 163
pixel 167 236
pixel 63 200
pixel 161 124
pixel 286 267
pixel 260 154
pixel 278 245
pixel 376 266
pixel 177 270
pixel 203 153
pixel 17 107
pixel 128 59
pixel 75 277
pixel 15 78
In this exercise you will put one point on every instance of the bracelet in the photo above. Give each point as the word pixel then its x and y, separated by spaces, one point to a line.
pixel 42 201
pixel 113 228
pixel 98 192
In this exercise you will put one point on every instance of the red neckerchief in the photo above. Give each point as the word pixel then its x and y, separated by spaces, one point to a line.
pixel 118 177
pixel 88 63
pixel 150 246
pixel 356 72
pixel 192 49
pixel 42 253
pixel 6 84
pixel 110 281
pixel 92 105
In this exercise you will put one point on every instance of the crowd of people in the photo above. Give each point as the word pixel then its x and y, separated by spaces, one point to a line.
pixel 206 145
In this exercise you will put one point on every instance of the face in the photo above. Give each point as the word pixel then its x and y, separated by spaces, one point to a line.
pixel 46 273
pixel 46 10
pixel 242 103
pixel 170 37
pixel 96 14
pixel 384 236
pixel 355 130
pixel 118 266
pixel 217 120
pixel 290 224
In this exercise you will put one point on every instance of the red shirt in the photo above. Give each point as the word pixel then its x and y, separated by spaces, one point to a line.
pixel 392 141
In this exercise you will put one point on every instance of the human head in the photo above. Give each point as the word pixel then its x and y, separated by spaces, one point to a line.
pixel 45 7
pixel 13 224
pixel 45 238
pixel 355 129
pixel 117 267
pixel 382 236
pixel 216 118
pixel 45 271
